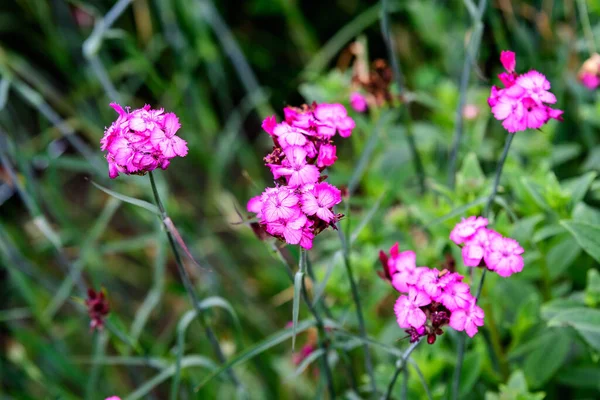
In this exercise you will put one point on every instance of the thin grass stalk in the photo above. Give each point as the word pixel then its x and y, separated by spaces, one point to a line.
pixel 490 201
pixel 359 314
pixel 470 58
pixel 189 287
pixel 398 77
pixel 402 362
pixel 587 27
pixel 322 337
pixel 321 303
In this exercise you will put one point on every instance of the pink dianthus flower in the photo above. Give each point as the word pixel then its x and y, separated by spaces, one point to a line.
pixel 141 141
pixel 358 102
pixel 523 103
pixel 408 311
pixel 467 319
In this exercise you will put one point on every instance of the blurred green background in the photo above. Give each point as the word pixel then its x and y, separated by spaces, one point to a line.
pixel 222 67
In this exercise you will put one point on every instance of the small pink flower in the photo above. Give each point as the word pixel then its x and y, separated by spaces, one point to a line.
pixel 358 102
pixel 280 204
pixel 537 87
pixel 401 260
pixel 589 80
pixel 408 311
pixel 269 124
pixel 477 245
pixel 255 206
pixel 504 256
pixel 170 144
pixel 470 112
pixel 467 319
pixel 465 229
pixel 296 169
pixel 141 141
pixel 327 156
pixel 113 398
pixel 332 117
pixel 407 278
pixel 289 136
pixel 508 60
pixel 291 229
pixel 455 296
pixel 320 200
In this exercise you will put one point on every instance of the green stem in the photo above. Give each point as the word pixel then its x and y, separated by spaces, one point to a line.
pixel 471 52
pixel 189 287
pixel 587 27
pixel 359 313
pixel 401 366
pixel 322 337
pixel 461 340
pixel 389 42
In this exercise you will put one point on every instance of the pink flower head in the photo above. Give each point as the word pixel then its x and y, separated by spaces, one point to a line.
pixel 408 311
pixel 504 255
pixel 467 319
pixel 301 205
pixel 403 280
pixel 476 247
pixel 589 80
pixel 290 229
pixel 456 295
pixel 523 104
pixel 470 112
pixel 332 117
pixel 358 102
pixel 113 398
pixel 465 229
pixel 508 60
pixel 280 204
pixel 326 156
pixel 141 141
pixel 320 200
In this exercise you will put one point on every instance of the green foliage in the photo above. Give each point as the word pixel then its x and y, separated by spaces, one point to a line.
pixel 223 67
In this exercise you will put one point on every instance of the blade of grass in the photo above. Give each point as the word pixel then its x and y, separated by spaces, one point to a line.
pixel 182 327
pixel 470 58
pixel 298 281
pixel 131 200
pixel 256 350
pixel 187 362
pixel 100 341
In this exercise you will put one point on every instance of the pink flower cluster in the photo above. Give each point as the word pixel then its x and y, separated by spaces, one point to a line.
pixel 431 299
pixel 522 103
pixel 301 205
pixel 589 74
pixel 485 247
pixel 141 141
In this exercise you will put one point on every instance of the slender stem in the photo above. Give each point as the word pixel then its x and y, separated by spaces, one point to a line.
pixel 328 314
pixel 389 42
pixel 401 365
pixel 587 27
pixel 471 52
pixel 492 197
pixel 189 287
pixel 461 340
pixel 320 328
pixel 359 313
pixel 496 343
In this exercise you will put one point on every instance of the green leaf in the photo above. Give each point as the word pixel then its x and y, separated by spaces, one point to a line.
pixel 543 362
pixel 131 200
pixel 586 321
pixel 257 349
pixel 515 389
pixel 578 187
pixel 457 211
pixel 592 289
pixel 587 235
pixel 561 255
pixel 471 372
pixel 581 377
pixel 187 362
pixel 470 175
pixel 584 213
pixel 298 279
